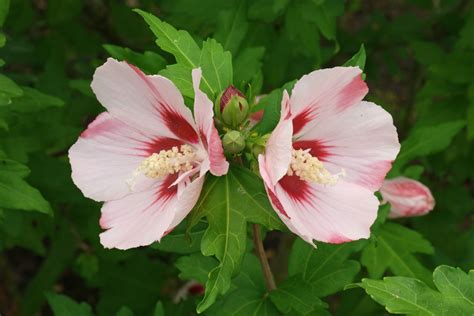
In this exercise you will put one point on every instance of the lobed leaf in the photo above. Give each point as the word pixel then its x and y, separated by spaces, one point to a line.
pixel 403 295
pixel 15 193
pixel 64 306
pixel 326 267
pixel 393 248
pixel 229 202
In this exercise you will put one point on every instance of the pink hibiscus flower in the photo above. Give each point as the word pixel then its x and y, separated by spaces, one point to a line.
pixel 145 157
pixel 327 156
pixel 407 197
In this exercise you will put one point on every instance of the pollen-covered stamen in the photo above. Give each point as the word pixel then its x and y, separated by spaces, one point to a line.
pixel 311 169
pixel 167 162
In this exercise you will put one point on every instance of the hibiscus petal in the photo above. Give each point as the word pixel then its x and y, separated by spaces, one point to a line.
pixel 152 104
pixel 106 155
pixel 142 218
pixel 325 92
pixel 203 112
pixel 278 147
pixel 362 140
pixel 334 214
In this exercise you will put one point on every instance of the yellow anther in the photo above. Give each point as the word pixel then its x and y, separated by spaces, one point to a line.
pixel 311 169
pixel 166 162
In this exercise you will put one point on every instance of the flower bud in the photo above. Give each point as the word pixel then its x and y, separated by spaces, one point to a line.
pixel 233 142
pixel 407 197
pixel 232 108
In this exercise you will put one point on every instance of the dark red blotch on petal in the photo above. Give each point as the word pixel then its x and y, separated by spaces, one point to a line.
pixel 302 119
pixel 178 125
pixel 166 192
pixel 175 122
pixel 317 148
pixel 276 203
pixel 203 138
pixel 163 143
pixel 297 189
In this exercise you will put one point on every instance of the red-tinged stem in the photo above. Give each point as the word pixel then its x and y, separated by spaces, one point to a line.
pixel 267 272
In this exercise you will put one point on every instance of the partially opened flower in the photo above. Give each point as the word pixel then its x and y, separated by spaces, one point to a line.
pixel 146 157
pixel 327 156
pixel 407 197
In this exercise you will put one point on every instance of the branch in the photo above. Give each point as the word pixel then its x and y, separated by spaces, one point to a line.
pixel 267 272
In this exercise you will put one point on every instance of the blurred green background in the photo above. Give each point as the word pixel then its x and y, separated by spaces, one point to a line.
pixel 420 67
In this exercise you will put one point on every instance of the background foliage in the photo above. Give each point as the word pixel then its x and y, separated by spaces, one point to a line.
pixel 418 58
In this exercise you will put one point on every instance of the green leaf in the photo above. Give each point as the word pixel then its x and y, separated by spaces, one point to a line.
pixel 271 104
pixel 195 267
pixel 181 242
pixel 247 65
pixel 295 293
pixel 326 267
pixel 159 310
pixel 229 202
pixel 427 53
pixel 33 100
pixel 455 285
pixel 3 124
pixel 178 43
pixel 402 295
pixel 232 26
pixel 125 311
pixel 358 60
pixel 215 63
pixel 65 306
pixel 8 90
pixel 60 11
pixel 393 247
pixel 325 15
pixel 244 303
pixel 216 67
pixel 470 111
pixel 267 10
pixel 149 62
pixel 4 7
pixel 3 39
pixel 248 294
pixel 181 77
pixel 427 140
pixel 15 193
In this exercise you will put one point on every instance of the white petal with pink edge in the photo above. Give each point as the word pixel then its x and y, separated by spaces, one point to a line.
pixel 334 214
pixel 278 148
pixel 151 104
pixel 203 113
pixel 105 156
pixel 142 218
pixel 325 92
pixel 361 140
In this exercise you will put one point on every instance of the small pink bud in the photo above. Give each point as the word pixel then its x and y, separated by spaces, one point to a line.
pixel 407 197
pixel 228 94
pixel 232 107
pixel 197 289
pixel 191 287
